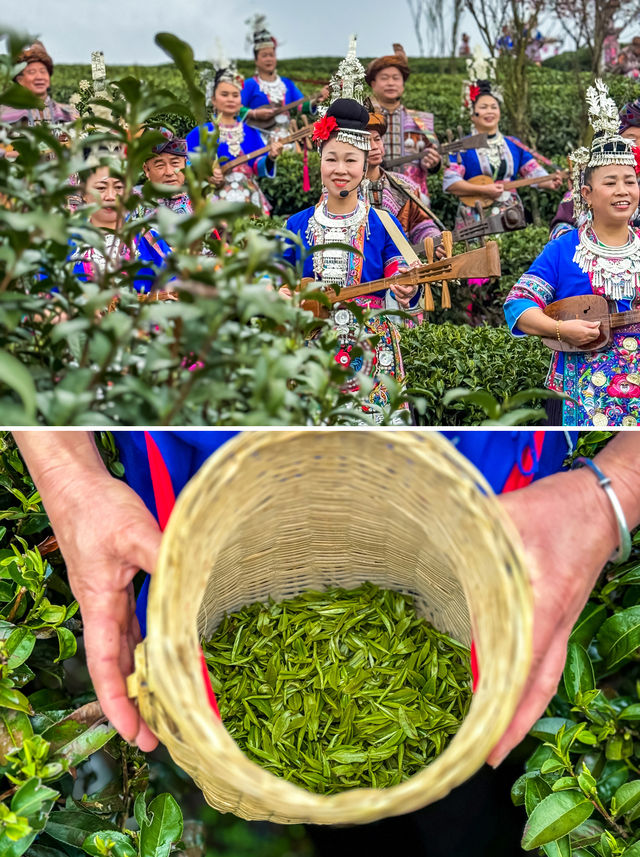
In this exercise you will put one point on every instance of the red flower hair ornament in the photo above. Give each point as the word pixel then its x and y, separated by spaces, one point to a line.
pixel 474 92
pixel 636 155
pixel 323 128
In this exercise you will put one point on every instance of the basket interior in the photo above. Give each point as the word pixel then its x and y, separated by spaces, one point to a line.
pixel 275 513
pixel 318 524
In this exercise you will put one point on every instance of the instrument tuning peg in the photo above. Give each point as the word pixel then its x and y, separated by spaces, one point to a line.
pixel 428 249
pixel 449 135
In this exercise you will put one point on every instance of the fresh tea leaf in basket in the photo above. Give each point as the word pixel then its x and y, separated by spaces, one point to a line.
pixel 339 689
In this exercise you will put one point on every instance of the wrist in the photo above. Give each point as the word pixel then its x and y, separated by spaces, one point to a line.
pixel 597 514
pixel 623 548
pixel 618 460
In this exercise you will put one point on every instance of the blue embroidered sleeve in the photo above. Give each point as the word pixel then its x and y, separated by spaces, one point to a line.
pixel 535 288
pixel 262 168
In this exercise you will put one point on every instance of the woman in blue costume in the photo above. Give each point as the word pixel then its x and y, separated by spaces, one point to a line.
pixel 344 216
pixel 503 160
pixel 602 257
pixel 236 139
pixel 267 90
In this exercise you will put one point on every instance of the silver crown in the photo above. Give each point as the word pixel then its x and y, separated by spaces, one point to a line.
pixel 348 82
pixel 607 147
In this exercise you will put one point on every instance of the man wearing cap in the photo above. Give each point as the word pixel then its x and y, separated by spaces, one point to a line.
pixel 165 166
pixel 394 192
pixel 36 77
pixel 408 131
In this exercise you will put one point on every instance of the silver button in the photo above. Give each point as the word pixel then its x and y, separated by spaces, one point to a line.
pixel 342 317
pixel 386 358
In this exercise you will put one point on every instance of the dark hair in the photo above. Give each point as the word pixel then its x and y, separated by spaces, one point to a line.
pixel 484 88
pixel 349 114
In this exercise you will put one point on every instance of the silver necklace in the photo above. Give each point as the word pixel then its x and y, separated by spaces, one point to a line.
pixel 495 150
pixel 275 90
pixel 232 135
pixel 616 270
pixel 331 266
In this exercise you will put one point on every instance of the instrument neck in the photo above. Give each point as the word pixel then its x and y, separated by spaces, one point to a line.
pixel 622 319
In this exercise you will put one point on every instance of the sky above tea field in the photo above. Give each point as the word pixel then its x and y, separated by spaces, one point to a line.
pixel 124 29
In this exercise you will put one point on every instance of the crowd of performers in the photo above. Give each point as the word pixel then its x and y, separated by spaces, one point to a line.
pixel 375 158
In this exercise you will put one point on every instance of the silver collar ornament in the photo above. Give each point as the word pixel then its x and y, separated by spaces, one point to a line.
pixel 331 266
pixel 616 270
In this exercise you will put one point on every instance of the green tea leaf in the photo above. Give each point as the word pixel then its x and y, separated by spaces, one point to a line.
pixel 119 844
pixel 627 797
pixel 578 674
pixel 554 817
pixel 619 636
pixel 162 828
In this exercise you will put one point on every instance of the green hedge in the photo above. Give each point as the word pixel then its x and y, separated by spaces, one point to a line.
pixel 557 107
pixel 440 357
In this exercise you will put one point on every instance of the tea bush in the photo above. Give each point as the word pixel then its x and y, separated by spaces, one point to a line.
pixel 439 357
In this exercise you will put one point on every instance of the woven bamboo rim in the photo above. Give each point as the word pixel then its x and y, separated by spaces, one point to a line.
pixel 279 512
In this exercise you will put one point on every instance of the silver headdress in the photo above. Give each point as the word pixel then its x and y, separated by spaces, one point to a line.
pixel 481 75
pixel 607 146
pixel 348 80
pixel 346 108
pixel 259 36
pixel 229 74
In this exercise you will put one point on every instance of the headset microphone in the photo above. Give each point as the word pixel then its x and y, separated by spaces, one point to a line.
pixel 344 193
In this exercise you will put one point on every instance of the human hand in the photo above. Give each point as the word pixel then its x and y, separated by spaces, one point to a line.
pixel 565 562
pixel 552 183
pixel 404 293
pixel 217 177
pixel 493 190
pixel 285 292
pixel 577 332
pixel 440 253
pixel 430 158
pixel 323 95
pixel 106 535
pixel 275 149
pixel 263 114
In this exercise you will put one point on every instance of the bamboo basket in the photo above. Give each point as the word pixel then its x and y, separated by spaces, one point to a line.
pixel 274 513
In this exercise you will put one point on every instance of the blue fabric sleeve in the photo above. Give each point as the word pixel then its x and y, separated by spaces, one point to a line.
pixel 496 453
pixel 247 92
pixel 536 287
pixel 293 93
pixel 262 168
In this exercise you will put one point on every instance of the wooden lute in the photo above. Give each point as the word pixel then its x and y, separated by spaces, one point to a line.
pixel 486 201
pixel 483 262
pixel 228 166
pixel 476 141
pixel 588 308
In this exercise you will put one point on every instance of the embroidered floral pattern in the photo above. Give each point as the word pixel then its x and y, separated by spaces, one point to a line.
pixel 532 288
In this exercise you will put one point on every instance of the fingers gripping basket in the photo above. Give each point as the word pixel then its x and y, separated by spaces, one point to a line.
pixel 277 513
